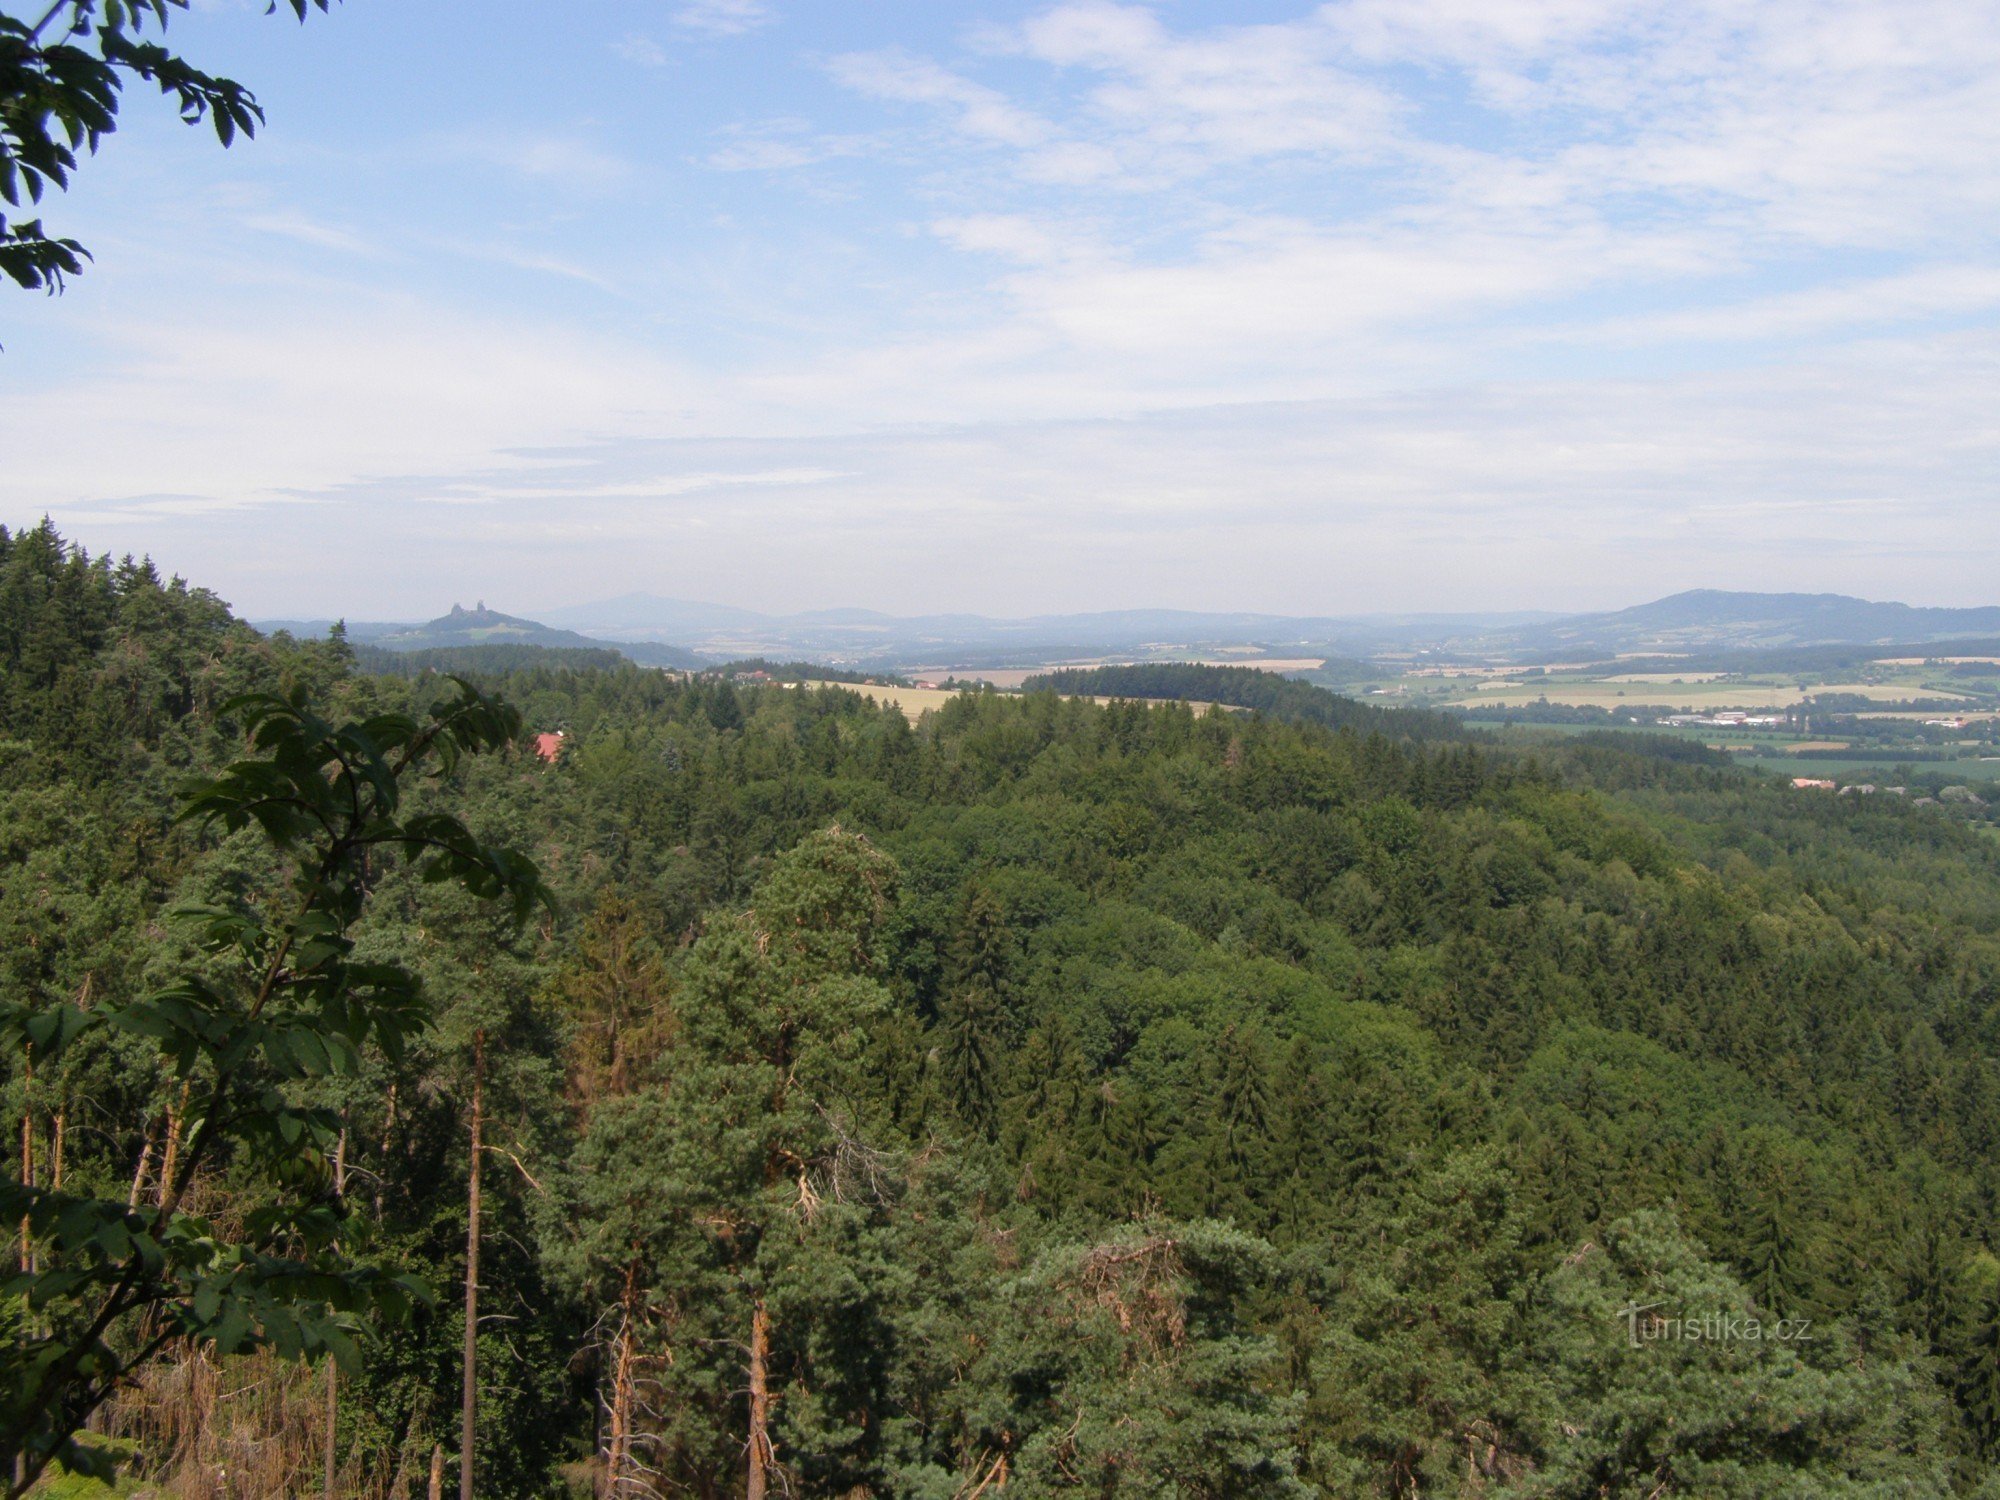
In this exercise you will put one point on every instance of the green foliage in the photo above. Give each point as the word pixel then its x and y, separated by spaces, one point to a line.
pixel 60 82
pixel 1244 687
pixel 1664 1378
pixel 477 661
pixel 280 1004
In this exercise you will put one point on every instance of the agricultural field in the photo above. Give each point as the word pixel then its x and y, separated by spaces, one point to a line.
pixel 1626 683
pixel 1710 694
pixel 915 702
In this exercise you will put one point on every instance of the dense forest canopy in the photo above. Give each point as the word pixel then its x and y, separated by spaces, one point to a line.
pixel 1245 687
pixel 1047 1097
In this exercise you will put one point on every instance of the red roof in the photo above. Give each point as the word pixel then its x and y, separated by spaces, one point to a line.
pixel 549 746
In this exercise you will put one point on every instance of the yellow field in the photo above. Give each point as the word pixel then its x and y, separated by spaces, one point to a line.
pixel 914 702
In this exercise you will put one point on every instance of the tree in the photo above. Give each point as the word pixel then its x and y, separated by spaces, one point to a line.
pixel 1130 1368
pixel 1410 1377
pixel 60 80
pixel 1979 1374
pixel 1664 1376
pixel 282 1003
pixel 969 1023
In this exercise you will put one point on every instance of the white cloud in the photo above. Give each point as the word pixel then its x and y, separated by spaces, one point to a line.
pixel 980 112
pixel 781 145
pixel 1557 493
pixel 724 17
pixel 1232 94
pixel 1883 302
pixel 263 401
pixel 643 50
pixel 566 160
pixel 1016 237
pixel 309 231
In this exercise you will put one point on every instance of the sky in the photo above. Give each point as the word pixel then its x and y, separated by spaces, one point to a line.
pixel 1376 305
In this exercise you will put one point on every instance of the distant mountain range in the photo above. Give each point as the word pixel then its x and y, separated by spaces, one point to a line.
pixel 683 633
pixel 1717 619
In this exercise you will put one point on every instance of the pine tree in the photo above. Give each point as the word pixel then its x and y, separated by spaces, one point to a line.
pixel 1979 1374
pixel 967 1054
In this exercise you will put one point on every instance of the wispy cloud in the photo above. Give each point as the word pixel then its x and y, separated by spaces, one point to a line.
pixel 1563 492
pixel 724 17
pixel 640 49
pixel 570 160
pixel 309 231
pixel 781 145
pixel 980 112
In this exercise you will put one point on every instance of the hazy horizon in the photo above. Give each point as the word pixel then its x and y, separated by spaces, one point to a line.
pixel 570 614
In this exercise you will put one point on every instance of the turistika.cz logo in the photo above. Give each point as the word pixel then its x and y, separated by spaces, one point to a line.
pixel 1645 1324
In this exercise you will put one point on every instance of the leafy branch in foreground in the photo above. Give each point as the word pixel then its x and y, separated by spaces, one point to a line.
pixel 104 1284
pixel 60 80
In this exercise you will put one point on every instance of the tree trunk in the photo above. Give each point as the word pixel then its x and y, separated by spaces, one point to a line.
pixel 761 1454
pixel 170 1153
pixel 619 1458
pixel 436 1491
pixel 145 1161
pixel 469 1401
pixel 28 1171
pixel 332 1371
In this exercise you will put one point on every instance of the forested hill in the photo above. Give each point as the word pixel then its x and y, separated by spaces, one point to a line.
pixel 480 628
pixel 1246 687
pixel 485 660
pixel 1042 1099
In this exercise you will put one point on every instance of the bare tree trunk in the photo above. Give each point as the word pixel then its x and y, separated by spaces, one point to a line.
pixel 761 1454
pixel 469 1401
pixel 621 1387
pixel 56 1160
pixel 170 1154
pixel 28 1169
pixel 145 1161
pixel 436 1491
pixel 332 1371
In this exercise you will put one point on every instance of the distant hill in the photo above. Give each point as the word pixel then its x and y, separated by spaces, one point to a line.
pixel 481 626
pixel 1720 619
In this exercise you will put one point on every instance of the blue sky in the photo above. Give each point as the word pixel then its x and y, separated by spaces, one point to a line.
pixel 1378 304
